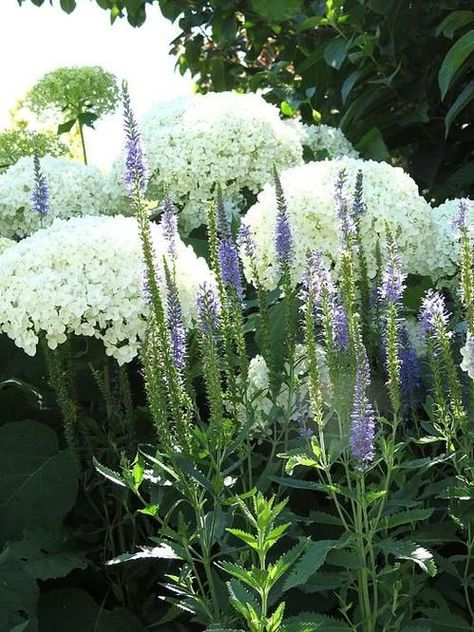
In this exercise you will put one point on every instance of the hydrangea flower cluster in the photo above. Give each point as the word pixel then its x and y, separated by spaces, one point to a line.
pixel 390 195
pixel 83 276
pixel 467 353
pixel 219 138
pixel 446 262
pixel 5 243
pixel 73 190
pixel 324 141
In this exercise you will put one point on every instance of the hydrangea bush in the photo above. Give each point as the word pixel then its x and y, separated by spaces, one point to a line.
pixel 73 190
pixel 83 276
pixel 224 138
pixel 390 195
pixel 305 460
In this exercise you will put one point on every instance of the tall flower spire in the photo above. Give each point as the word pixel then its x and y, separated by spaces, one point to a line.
pixel 39 200
pixel 136 169
pixel 283 236
pixel 362 416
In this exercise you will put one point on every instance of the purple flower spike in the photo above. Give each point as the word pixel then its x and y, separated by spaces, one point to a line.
pixel 169 224
pixel 410 372
pixel 174 316
pixel 208 309
pixel 347 228
pixel 459 220
pixel 229 265
pixel 393 280
pixel 283 233
pixel 246 241
pixel 433 313
pixel 340 326
pixel 40 202
pixel 136 170
pixel 362 416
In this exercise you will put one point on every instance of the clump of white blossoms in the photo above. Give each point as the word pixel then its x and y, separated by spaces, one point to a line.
pixel 324 141
pixel 390 195
pixel 5 243
pixel 219 138
pixel 84 276
pixel 446 262
pixel 74 189
pixel 467 353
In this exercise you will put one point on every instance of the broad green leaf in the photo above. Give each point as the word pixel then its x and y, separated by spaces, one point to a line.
pixel 463 99
pixel 68 5
pixel 64 128
pixel 38 483
pixel 336 52
pixel 455 58
pixel 276 10
pixel 372 145
pixel 47 554
pixel 313 558
pixel 405 550
pixel 453 22
pixel 18 598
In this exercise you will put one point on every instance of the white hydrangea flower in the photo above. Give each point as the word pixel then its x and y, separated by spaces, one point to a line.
pixel 324 141
pixel 84 276
pixel 193 144
pixel 389 193
pixel 467 353
pixel 446 262
pixel 5 243
pixel 74 189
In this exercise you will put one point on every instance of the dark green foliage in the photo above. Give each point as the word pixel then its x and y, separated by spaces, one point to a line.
pixel 395 75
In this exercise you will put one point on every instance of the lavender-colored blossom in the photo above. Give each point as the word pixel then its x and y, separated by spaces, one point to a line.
pixel 246 241
pixel 410 371
pixel 40 202
pixel 346 224
pixel 229 266
pixel 283 232
pixel 314 278
pixel 169 224
pixel 223 227
pixel 145 285
pixel 433 313
pixel 358 205
pixel 136 169
pixel 208 309
pixel 174 317
pixel 340 325
pixel 459 220
pixel 362 416
pixel 393 279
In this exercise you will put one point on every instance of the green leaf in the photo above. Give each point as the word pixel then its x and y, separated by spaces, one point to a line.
pixel 336 52
pixel 276 10
pixel 47 555
pixel 311 622
pixel 38 483
pixel 372 145
pixel 349 83
pixel 248 538
pixel 68 5
pixel 115 477
pixel 313 558
pixel 406 517
pixel 463 99
pixel 453 61
pixel 239 573
pixel 405 550
pixel 64 128
pixel 18 598
pixel 453 22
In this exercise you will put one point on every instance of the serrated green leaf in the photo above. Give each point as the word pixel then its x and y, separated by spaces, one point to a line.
pixel 239 573
pixel 455 58
pixel 405 517
pixel 406 550
pixel 164 551
pixel 109 474
pixel 312 622
pixel 248 538
pixel 313 558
